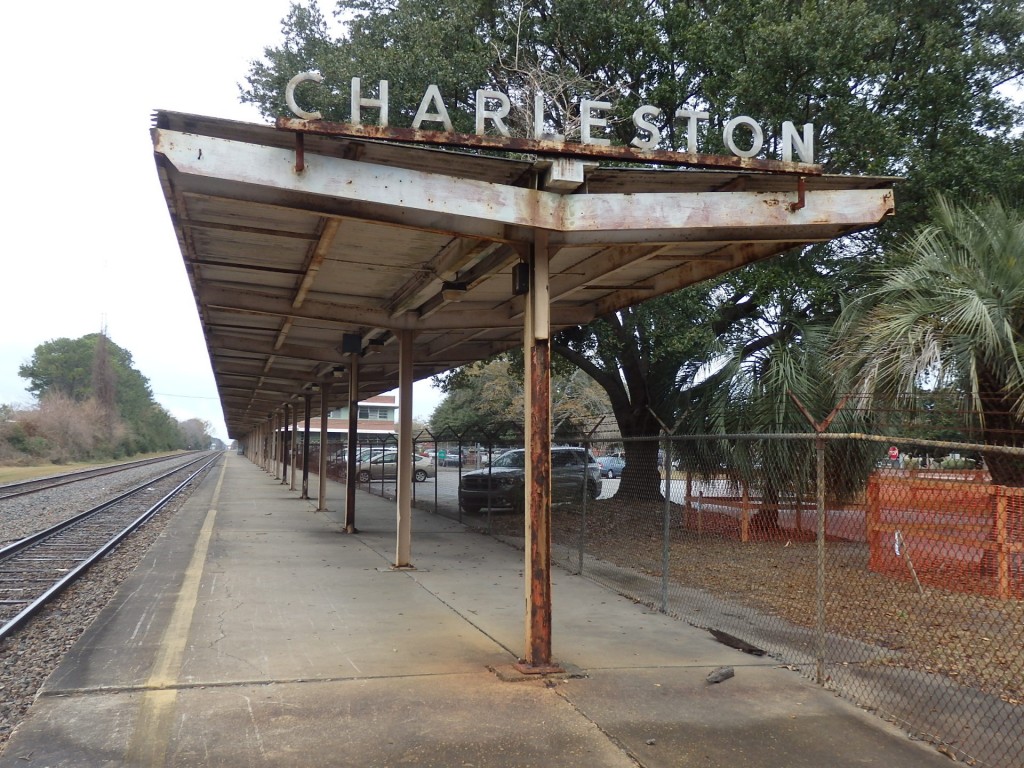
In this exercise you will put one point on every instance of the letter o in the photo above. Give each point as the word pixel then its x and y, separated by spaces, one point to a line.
pixel 755 129
pixel 289 94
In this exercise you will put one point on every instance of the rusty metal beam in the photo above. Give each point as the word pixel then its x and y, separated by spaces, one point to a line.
pixel 258 303
pixel 545 148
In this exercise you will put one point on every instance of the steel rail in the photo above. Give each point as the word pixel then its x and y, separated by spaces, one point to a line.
pixel 56 481
pixel 78 570
pixel 31 539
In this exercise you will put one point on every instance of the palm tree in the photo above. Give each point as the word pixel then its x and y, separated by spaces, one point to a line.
pixel 757 394
pixel 951 315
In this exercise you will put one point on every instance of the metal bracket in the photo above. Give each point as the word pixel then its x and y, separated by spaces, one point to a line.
pixel 300 152
pixel 801 195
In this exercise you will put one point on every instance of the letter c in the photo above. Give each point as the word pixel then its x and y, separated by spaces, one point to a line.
pixel 289 94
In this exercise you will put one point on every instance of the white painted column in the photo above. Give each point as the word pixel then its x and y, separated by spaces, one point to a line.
pixel 403 548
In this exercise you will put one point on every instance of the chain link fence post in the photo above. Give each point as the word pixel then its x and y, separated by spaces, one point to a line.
pixel 583 506
pixel 819 596
pixel 666 528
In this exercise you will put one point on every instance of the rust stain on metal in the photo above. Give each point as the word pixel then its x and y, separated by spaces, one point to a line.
pixel 300 153
pixel 546 148
pixel 801 195
pixel 525 668
pixel 539 645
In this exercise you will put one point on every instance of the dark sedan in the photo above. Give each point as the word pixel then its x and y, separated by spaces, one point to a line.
pixel 573 473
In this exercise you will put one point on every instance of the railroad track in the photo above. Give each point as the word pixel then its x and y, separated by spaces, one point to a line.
pixel 12 490
pixel 37 568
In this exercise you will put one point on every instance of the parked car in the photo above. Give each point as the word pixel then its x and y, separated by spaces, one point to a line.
pixel 385 465
pixel 573 473
pixel 611 466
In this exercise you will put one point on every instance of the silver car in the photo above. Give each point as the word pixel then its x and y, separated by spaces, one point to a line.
pixel 385 465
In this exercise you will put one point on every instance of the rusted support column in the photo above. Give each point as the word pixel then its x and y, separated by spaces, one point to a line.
pixel 275 434
pixel 284 447
pixel 353 444
pixel 293 453
pixel 403 544
pixel 537 358
pixel 263 446
pixel 268 445
pixel 305 449
pixel 278 445
pixel 325 389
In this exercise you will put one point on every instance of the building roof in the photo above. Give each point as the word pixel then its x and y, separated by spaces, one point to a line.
pixel 298 245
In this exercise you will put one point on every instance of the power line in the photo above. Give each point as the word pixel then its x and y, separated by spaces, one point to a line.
pixel 189 397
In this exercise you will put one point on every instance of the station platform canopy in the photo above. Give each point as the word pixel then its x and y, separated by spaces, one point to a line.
pixel 305 247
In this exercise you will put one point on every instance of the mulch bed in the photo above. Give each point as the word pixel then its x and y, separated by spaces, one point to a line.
pixel 974 639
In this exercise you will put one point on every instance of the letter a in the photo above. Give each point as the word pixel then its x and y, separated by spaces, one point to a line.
pixel 432 96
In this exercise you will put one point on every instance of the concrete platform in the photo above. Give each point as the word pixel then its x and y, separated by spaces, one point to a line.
pixel 256 633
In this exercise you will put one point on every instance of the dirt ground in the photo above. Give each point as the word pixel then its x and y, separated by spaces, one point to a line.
pixel 977 641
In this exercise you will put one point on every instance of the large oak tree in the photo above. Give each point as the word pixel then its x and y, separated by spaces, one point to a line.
pixel 909 88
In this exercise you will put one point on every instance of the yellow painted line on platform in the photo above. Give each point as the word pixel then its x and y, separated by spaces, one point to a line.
pixel 152 731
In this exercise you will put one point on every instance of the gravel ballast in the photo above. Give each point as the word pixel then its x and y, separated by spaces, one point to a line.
pixel 32 653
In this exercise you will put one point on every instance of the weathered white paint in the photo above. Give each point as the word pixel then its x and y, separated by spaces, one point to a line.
pixel 480 200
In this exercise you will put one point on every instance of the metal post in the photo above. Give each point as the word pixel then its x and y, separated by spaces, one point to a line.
pixel 583 511
pixel 293 453
pixel 666 531
pixel 305 449
pixel 271 464
pixel 537 389
pixel 819 589
pixel 284 447
pixel 325 389
pixel 689 491
pixel 745 513
pixel 352 448
pixel 276 437
pixel 404 481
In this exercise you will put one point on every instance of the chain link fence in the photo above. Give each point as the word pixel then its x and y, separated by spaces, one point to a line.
pixel 888 570
pixel 889 576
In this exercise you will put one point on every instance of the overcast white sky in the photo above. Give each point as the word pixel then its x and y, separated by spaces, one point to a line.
pixel 87 237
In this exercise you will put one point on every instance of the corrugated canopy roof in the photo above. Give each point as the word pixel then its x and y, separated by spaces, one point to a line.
pixel 370 237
